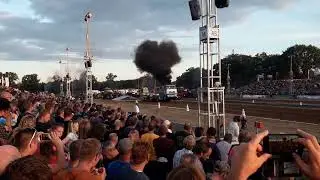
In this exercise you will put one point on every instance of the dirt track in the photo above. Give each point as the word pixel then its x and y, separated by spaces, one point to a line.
pixel 176 112
pixel 275 109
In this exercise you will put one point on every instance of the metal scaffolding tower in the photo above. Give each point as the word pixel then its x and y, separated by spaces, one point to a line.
pixel 88 62
pixel 210 92
pixel 61 79
pixel 68 76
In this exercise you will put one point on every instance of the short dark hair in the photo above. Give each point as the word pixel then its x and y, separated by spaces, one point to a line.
pixel 74 149
pixel 90 148
pixel 98 131
pixel 4 104
pixel 60 110
pixel 163 130
pixel 244 136
pixel 228 137
pixel 199 131
pixel 211 132
pixel 152 126
pixel 46 150
pixel 57 125
pixel 68 112
pixel 236 118
pixel 28 168
pixel 23 137
pixel 201 148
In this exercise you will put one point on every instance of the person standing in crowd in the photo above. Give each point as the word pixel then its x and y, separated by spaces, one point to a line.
pixel 137 107
pixel 6 95
pixel 90 155
pixel 5 117
pixel 221 170
pixel 28 168
pixel 164 147
pixel 180 135
pixel 121 166
pixel 58 129
pixel 234 129
pixel 149 137
pixel 224 147
pixel 67 120
pixel 186 172
pixel 139 158
pixel 43 124
pixel 199 133
pixel 110 153
pixel 60 116
pixel 74 152
pixel 73 130
pixel 211 135
pixel 84 128
pixel 27 141
pixel 203 151
pixel 28 108
pixel 189 142
pixel 11 153
pixel 168 124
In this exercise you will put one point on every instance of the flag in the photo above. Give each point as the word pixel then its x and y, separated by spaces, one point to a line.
pixel 87 16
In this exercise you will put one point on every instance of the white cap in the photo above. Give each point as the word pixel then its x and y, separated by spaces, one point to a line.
pixel 166 122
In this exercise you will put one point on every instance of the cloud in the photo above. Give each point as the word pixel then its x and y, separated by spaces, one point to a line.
pixel 117 26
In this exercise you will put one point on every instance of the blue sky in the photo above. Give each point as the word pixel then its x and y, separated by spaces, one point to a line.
pixel 35 33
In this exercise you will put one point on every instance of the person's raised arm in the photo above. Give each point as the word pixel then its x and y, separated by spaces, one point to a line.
pixel 245 160
pixel 311 168
pixel 60 152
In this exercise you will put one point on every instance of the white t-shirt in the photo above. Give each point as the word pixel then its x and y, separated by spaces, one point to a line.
pixel 137 109
pixel 234 129
pixel 70 138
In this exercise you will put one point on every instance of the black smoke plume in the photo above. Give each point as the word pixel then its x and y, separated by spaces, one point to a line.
pixel 157 59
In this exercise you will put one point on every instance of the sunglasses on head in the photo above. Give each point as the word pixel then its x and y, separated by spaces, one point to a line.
pixel 33 136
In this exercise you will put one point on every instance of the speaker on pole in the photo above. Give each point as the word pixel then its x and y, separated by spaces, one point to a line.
pixel 222 3
pixel 195 9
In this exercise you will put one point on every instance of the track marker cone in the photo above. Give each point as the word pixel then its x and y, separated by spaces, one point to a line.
pixel 158 105
pixel 300 103
pixel 187 108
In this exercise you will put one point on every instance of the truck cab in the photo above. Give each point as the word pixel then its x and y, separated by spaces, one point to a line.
pixel 168 92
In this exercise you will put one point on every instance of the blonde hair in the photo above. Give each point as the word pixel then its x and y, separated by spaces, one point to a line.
pixel 72 128
pixel 28 121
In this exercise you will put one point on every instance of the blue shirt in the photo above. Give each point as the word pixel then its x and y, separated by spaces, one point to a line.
pixel 120 170
pixel 2 121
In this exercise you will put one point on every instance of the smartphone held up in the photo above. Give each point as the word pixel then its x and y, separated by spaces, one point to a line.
pixel 281 147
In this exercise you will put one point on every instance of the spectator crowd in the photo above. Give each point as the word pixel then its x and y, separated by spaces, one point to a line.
pixel 44 137
pixel 281 87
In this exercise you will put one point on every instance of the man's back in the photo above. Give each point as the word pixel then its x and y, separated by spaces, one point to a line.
pixel 224 148
pixel 119 170
pixel 74 174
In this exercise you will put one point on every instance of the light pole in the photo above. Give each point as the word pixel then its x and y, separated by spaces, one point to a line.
pixel 228 80
pixel 88 61
pixel 291 76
